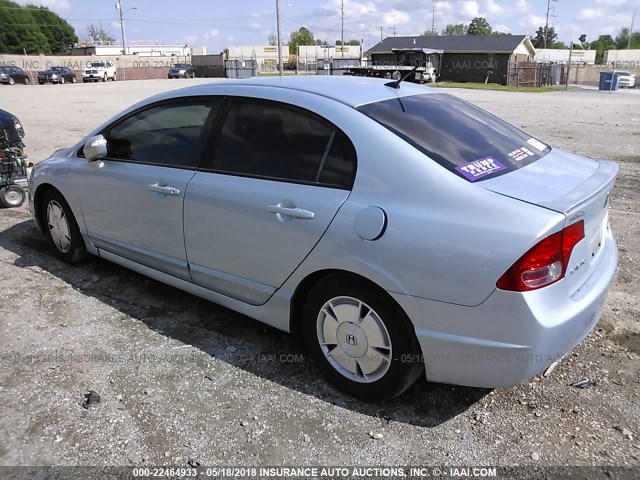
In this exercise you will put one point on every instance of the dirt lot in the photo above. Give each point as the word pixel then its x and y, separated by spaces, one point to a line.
pixel 181 379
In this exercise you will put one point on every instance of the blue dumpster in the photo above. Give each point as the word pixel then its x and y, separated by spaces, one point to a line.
pixel 608 81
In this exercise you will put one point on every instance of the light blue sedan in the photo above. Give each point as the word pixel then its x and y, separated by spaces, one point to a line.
pixel 402 231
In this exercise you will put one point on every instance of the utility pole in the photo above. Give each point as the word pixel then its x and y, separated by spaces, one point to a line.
pixel 342 27
pixel 633 20
pixel 124 43
pixel 394 29
pixel 280 63
pixel 566 87
pixel 433 20
pixel 546 23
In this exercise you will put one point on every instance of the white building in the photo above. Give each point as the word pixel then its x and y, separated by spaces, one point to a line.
pixel 313 53
pixel 626 58
pixel 557 55
pixel 157 50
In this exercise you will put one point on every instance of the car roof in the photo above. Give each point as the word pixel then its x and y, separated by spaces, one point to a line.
pixel 353 91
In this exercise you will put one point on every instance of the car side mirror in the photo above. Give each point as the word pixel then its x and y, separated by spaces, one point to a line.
pixel 95 148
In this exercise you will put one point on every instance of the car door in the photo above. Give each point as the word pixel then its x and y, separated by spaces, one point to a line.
pixel 276 180
pixel 132 200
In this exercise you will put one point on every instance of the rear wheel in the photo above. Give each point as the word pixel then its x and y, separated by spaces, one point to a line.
pixel 26 80
pixel 361 340
pixel 114 77
pixel 61 228
pixel 73 79
pixel 12 196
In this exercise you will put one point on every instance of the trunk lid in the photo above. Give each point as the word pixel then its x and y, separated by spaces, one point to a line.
pixel 575 186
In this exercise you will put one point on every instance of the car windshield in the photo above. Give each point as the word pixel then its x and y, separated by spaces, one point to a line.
pixel 55 69
pixel 180 65
pixel 461 137
pixel 97 64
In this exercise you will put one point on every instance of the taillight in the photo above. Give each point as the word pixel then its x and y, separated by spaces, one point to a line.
pixel 545 263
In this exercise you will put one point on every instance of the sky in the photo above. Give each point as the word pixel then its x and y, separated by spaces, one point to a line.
pixel 218 24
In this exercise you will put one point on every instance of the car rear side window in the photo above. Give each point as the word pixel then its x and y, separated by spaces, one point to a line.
pixel 278 142
pixel 461 137
pixel 166 135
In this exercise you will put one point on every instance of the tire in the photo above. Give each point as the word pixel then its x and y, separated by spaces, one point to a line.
pixel 114 77
pixel 340 342
pixel 61 228
pixel 12 196
pixel 12 81
pixel 41 83
pixel 104 78
pixel 73 79
pixel 26 80
pixel 61 80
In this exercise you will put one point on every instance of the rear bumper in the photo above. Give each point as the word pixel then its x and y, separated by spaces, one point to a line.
pixel 511 336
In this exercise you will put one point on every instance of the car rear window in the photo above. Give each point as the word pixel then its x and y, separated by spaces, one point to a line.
pixel 461 137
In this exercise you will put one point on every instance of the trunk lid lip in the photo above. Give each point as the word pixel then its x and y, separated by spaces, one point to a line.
pixel 559 181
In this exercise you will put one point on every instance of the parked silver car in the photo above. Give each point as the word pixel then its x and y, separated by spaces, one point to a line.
pixel 401 230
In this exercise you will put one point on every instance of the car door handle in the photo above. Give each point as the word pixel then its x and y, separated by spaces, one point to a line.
pixel 164 189
pixel 299 213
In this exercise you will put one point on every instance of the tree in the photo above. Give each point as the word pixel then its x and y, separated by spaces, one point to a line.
pixel 272 39
pixel 539 37
pixel 622 39
pixel 583 41
pixel 457 29
pixel 60 35
pixel 321 43
pixel 98 35
pixel 430 33
pixel 348 42
pixel 19 30
pixel 601 45
pixel 479 26
pixel 303 36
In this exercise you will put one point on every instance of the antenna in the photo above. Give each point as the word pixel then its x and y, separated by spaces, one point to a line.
pixel 396 83
pixel 394 29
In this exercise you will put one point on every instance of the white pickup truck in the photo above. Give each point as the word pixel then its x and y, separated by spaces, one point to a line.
pixel 99 71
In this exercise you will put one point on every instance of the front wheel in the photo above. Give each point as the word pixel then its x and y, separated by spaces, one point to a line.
pixel 61 228
pixel 361 340
pixel 12 196
pixel 104 79
pixel 61 80
pixel 12 81
pixel 114 77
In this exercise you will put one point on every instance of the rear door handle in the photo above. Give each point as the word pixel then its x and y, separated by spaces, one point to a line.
pixel 299 213
pixel 164 189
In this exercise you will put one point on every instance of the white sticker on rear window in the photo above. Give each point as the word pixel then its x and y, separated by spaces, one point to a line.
pixel 520 154
pixel 537 144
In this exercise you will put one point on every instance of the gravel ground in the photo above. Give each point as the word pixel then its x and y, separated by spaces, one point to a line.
pixel 184 380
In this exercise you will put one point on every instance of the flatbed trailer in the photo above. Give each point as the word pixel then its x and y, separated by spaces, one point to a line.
pixel 396 72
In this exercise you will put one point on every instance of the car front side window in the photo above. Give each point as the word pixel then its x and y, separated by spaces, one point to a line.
pixel 166 135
